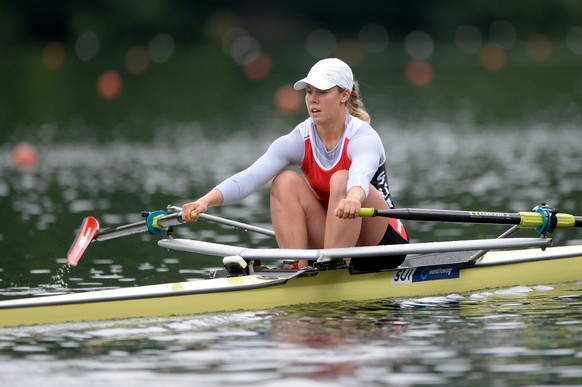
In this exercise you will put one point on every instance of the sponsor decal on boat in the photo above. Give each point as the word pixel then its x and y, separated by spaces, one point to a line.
pixel 426 273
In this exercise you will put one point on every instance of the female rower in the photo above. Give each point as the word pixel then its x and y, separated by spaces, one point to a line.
pixel 343 168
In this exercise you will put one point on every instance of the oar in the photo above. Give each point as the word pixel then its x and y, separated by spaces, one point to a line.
pixel 543 219
pixel 157 222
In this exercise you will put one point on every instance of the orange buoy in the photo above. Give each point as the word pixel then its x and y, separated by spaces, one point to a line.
pixel 24 155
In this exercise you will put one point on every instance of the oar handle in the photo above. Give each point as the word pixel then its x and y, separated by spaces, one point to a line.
pixel 368 212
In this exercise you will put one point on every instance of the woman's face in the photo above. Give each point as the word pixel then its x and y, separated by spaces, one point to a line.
pixel 324 105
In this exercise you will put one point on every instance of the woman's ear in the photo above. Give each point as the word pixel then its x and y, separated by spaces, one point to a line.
pixel 345 96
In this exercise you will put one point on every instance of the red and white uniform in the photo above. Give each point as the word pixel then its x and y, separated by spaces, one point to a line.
pixel 359 143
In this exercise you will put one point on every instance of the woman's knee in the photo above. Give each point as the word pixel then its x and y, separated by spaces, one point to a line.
pixel 338 183
pixel 285 183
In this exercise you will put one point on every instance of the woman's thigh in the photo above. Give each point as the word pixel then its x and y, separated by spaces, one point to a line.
pixel 294 205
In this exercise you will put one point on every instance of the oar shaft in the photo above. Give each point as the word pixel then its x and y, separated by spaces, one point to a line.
pixel 173 219
pixel 228 222
pixel 233 223
pixel 137 227
pixel 450 216
pixel 522 219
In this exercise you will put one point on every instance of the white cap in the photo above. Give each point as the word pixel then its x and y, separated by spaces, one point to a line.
pixel 326 74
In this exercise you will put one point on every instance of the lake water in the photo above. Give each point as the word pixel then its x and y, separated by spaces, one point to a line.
pixel 507 337
pixel 472 141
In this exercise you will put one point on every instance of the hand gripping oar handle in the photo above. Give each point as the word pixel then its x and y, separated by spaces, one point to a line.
pixel 544 219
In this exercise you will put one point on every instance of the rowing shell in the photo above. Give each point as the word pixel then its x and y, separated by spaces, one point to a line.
pixel 419 276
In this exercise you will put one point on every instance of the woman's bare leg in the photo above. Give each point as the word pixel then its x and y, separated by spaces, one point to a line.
pixel 300 221
pixel 298 217
pixel 353 232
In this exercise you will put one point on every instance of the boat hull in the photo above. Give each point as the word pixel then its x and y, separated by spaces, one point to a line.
pixel 268 290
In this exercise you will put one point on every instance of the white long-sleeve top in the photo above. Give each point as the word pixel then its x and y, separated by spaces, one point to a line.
pixel 360 151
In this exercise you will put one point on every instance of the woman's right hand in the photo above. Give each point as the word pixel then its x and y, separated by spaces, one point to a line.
pixel 191 211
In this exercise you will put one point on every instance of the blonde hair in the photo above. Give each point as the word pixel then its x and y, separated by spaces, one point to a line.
pixel 355 105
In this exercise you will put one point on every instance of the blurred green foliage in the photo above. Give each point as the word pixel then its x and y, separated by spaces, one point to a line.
pixel 22 21
pixel 204 82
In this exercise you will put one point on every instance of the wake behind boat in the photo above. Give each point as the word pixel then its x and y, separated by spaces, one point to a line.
pixel 432 268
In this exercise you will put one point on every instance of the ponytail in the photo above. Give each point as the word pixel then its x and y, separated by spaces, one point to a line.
pixel 355 105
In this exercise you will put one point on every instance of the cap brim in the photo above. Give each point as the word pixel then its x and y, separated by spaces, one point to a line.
pixel 317 82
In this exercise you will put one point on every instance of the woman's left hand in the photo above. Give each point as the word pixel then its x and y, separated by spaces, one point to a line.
pixel 348 208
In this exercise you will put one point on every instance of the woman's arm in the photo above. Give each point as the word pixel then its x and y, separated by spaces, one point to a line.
pixel 284 151
pixel 366 152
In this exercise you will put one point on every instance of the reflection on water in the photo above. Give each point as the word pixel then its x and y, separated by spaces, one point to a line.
pixel 514 336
